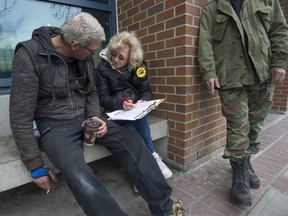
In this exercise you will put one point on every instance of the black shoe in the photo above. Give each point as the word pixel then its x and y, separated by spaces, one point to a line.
pixel 240 191
pixel 254 180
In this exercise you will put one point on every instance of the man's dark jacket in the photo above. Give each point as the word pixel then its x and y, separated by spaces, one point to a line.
pixel 42 89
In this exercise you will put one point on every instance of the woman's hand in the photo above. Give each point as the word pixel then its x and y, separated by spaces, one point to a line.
pixel 141 101
pixel 128 105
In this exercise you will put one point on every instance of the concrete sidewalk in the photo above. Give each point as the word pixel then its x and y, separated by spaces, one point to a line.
pixel 204 190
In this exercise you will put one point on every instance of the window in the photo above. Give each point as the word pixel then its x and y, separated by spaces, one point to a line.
pixel 17 24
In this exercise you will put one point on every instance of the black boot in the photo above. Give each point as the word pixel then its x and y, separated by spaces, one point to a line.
pixel 254 180
pixel 240 192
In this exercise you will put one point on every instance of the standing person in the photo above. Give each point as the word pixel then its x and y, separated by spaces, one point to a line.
pixel 122 82
pixel 53 82
pixel 243 52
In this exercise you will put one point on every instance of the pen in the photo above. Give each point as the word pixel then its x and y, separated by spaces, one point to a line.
pixel 126 100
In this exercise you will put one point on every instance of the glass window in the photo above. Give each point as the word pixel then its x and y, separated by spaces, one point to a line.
pixel 17 24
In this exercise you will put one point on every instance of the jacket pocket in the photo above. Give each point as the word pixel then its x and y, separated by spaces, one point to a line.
pixel 264 15
pixel 220 27
pixel 43 126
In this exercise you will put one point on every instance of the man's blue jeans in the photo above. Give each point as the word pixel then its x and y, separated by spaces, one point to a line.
pixel 62 142
pixel 142 127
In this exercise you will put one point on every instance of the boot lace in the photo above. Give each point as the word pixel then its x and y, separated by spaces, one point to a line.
pixel 178 209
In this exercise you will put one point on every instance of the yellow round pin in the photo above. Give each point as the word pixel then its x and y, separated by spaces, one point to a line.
pixel 141 72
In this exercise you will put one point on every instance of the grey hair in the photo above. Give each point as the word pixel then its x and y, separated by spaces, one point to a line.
pixel 83 28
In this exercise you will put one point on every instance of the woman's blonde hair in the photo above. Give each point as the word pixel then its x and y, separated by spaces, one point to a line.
pixel 123 39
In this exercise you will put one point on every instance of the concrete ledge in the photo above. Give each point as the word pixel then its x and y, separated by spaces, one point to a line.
pixel 13 173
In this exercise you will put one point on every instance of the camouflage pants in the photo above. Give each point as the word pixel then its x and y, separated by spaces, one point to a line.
pixel 245 110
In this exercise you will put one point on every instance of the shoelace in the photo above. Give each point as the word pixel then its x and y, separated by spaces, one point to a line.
pixel 178 208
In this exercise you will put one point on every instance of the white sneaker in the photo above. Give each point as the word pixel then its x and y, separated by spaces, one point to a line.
pixel 165 170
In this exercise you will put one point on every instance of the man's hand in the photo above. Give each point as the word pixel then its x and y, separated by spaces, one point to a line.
pixel 102 128
pixel 278 74
pixel 46 182
pixel 212 84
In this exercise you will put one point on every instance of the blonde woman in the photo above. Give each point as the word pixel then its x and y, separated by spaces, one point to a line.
pixel 122 82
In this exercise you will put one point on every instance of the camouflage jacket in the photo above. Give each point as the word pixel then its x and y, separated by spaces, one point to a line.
pixel 222 48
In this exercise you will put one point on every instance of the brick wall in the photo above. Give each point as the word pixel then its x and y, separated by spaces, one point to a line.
pixel 168 32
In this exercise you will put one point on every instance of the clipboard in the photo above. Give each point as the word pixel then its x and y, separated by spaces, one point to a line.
pixel 139 112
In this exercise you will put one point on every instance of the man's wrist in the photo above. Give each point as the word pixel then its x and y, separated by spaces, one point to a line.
pixel 39 172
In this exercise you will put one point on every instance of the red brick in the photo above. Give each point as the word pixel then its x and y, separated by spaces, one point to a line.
pixel 172 4
pixel 156 28
pixel 146 4
pixel 222 207
pixel 155 9
pixel 132 11
pixel 140 16
pixel 165 34
pixel 281 184
pixel 167 14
